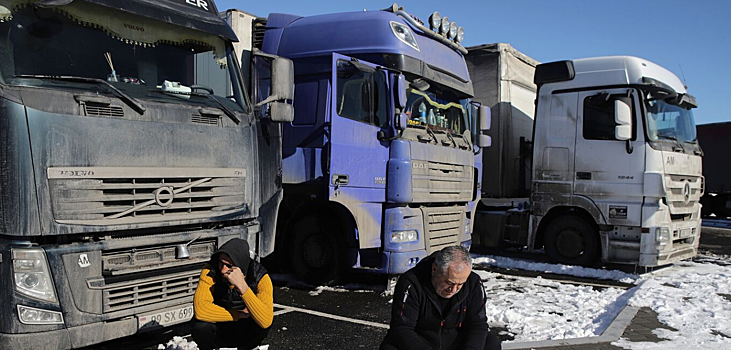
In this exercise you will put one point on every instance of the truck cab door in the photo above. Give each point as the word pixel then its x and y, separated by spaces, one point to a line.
pixel 358 151
pixel 609 171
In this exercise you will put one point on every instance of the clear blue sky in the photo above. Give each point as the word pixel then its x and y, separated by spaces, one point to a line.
pixel 690 38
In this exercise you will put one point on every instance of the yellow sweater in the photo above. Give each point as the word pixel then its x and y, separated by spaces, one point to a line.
pixel 260 305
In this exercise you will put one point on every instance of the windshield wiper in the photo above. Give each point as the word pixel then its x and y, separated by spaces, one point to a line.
pixel 673 138
pixel 129 100
pixel 229 113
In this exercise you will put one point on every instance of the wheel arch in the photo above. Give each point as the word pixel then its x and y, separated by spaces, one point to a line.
pixel 334 212
pixel 557 212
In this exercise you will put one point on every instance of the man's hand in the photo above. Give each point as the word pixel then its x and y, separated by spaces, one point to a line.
pixel 237 279
pixel 244 313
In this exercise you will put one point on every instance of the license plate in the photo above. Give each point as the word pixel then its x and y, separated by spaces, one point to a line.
pixel 165 318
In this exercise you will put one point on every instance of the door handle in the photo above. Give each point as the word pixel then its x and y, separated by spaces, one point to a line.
pixel 340 180
pixel 583 175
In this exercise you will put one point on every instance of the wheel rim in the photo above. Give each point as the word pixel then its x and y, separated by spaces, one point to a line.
pixel 316 251
pixel 570 243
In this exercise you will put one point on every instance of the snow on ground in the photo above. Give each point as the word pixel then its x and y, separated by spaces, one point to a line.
pixel 694 298
pixel 539 309
pixel 578 271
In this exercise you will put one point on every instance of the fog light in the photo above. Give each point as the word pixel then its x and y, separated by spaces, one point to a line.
pixel 29 315
pixel 404 236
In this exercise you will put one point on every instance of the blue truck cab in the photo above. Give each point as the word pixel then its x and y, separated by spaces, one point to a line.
pixel 379 166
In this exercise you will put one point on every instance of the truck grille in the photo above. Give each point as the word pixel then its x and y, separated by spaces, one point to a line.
pixel 107 196
pixel 683 192
pixel 135 260
pixel 433 181
pixel 169 287
pixel 443 227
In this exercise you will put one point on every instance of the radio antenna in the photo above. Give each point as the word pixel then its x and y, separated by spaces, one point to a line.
pixel 685 82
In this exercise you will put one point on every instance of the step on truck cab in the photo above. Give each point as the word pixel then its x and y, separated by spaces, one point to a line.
pixel 379 163
pixel 616 170
pixel 130 152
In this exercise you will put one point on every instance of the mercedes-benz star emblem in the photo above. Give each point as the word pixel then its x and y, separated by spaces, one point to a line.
pixel 686 192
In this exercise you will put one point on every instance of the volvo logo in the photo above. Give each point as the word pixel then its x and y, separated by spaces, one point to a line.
pixel 686 192
pixel 164 196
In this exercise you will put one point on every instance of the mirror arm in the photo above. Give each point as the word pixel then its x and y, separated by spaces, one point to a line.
pixel 272 98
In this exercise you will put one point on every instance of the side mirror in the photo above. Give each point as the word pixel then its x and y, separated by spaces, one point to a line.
pixel 283 78
pixel 484 117
pixel 484 141
pixel 400 121
pixel 278 80
pixel 281 112
pixel 400 90
pixel 623 119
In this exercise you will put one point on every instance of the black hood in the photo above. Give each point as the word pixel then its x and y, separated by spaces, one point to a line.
pixel 201 15
pixel 238 250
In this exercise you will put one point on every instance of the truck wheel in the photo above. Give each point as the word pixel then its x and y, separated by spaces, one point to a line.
pixel 570 240
pixel 315 251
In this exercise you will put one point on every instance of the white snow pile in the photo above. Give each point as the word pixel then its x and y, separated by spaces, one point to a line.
pixel 535 309
pixel 321 289
pixel 180 343
pixel 578 271
pixel 693 298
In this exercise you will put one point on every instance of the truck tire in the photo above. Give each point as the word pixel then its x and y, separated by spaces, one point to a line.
pixel 315 251
pixel 570 240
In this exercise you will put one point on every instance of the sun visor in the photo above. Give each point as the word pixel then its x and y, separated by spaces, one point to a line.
pixel 199 15
pixel 177 22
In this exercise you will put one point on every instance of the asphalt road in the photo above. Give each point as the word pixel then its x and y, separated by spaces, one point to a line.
pixel 307 318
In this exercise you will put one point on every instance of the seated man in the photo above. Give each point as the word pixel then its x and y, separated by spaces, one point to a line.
pixel 234 303
pixel 440 304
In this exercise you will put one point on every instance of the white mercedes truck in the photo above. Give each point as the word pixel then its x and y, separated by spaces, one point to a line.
pixel 616 168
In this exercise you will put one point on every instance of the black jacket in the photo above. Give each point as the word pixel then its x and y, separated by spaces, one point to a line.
pixel 238 250
pixel 417 321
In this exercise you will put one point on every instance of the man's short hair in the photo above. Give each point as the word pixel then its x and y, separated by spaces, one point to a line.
pixel 448 255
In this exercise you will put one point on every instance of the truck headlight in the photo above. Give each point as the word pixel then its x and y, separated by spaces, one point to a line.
pixel 32 275
pixel 403 33
pixel 31 315
pixel 404 236
pixel 662 236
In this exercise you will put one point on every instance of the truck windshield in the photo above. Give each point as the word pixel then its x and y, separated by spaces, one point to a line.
pixel 437 109
pixel 38 44
pixel 669 122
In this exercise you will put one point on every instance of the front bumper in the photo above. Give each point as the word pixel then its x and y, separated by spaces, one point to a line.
pixel 73 337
